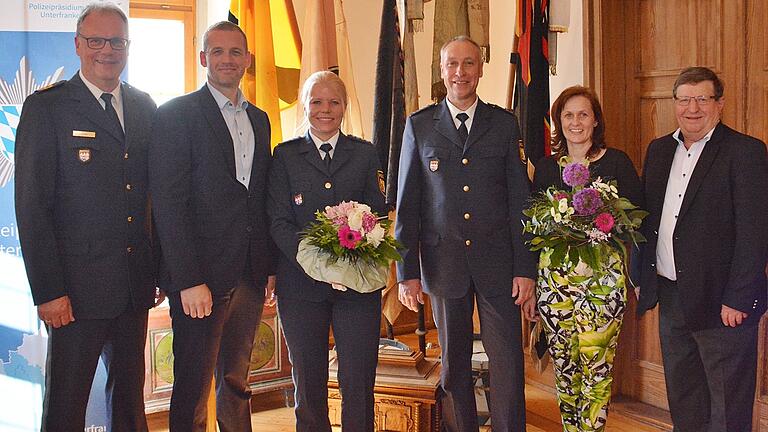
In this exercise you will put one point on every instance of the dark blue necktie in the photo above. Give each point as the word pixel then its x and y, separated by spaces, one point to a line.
pixel 326 148
pixel 111 113
pixel 463 131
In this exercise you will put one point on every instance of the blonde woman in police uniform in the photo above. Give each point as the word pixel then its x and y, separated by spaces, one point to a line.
pixel 321 169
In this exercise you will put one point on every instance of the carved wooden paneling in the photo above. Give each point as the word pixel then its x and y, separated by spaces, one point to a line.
pixel 657 117
pixel 270 367
pixel 757 70
pixel 672 34
pixel 647 346
pixel 756 124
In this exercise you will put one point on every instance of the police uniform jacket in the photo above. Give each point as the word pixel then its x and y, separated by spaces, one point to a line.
pixel 459 208
pixel 208 222
pixel 300 185
pixel 81 200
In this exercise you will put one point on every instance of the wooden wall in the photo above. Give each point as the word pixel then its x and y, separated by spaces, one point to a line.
pixel 634 50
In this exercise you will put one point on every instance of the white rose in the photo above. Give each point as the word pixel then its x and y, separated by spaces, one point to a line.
pixel 376 235
pixel 355 220
pixel 562 205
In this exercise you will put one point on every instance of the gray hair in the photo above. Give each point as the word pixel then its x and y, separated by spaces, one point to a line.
pixel 104 7
pixel 460 38
pixel 223 26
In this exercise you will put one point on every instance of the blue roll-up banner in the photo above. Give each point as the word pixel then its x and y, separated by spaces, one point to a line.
pixel 36 49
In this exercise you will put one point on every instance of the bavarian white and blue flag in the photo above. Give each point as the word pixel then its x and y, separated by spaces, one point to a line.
pixel 36 49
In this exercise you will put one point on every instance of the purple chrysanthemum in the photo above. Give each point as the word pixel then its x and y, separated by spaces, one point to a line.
pixel 575 174
pixel 587 201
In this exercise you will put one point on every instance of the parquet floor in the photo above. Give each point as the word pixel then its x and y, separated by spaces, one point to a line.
pixel 542 413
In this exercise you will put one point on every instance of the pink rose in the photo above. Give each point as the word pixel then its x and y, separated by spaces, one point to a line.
pixel 604 222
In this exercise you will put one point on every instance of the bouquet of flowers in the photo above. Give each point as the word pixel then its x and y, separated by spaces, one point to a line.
pixel 584 224
pixel 348 246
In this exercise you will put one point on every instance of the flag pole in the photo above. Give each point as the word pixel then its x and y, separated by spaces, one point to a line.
pixel 514 59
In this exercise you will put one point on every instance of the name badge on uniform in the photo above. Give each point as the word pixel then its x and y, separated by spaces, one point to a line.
pixel 434 164
pixel 83 134
pixel 84 155
pixel 298 199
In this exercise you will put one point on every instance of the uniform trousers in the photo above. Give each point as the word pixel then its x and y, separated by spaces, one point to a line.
pixel 710 374
pixel 501 334
pixel 73 355
pixel 356 320
pixel 220 343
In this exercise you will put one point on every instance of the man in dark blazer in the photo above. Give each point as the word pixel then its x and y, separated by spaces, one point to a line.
pixel 705 188
pixel 208 170
pixel 461 192
pixel 81 205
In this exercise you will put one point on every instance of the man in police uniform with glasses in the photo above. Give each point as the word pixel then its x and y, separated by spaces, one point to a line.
pixel 81 205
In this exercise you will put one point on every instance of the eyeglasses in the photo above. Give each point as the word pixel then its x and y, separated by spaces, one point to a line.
pixel 117 44
pixel 684 101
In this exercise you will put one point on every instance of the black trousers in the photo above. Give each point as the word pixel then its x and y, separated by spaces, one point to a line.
pixel 73 355
pixel 501 332
pixel 355 319
pixel 710 374
pixel 220 343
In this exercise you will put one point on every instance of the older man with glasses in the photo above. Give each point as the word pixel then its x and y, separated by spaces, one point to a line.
pixel 705 188
pixel 81 205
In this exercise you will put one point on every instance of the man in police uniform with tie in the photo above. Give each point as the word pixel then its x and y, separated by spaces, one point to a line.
pixel 81 205
pixel 461 192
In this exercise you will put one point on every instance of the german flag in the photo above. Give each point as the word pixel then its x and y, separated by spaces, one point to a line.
pixel 272 81
pixel 532 86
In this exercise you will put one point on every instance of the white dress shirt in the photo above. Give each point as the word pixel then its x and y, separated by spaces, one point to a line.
pixel 241 131
pixel 469 111
pixel 318 142
pixel 117 97
pixel 683 165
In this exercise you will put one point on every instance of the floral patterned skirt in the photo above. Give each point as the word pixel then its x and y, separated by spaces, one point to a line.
pixel 582 310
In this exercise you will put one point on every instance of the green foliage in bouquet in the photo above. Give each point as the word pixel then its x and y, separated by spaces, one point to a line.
pixel 583 224
pixel 350 231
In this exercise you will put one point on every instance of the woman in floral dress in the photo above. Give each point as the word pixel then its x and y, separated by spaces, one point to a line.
pixel 581 308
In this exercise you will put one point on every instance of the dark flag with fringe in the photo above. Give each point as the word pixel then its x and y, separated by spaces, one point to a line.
pixel 389 98
pixel 532 82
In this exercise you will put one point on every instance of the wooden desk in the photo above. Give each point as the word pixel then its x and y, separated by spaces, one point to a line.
pixel 406 392
pixel 270 368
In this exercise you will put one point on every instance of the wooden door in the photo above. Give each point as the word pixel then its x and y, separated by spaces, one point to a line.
pixel 634 50
pixel 756 124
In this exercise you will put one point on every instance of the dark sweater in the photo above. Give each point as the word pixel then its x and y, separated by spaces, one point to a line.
pixel 614 165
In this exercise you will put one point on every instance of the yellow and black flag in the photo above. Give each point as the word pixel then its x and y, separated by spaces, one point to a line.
pixel 272 81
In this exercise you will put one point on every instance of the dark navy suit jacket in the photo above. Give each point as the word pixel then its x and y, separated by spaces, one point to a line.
pixel 720 239
pixel 208 222
pixel 300 185
pixel 81 200
pixel 459 211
